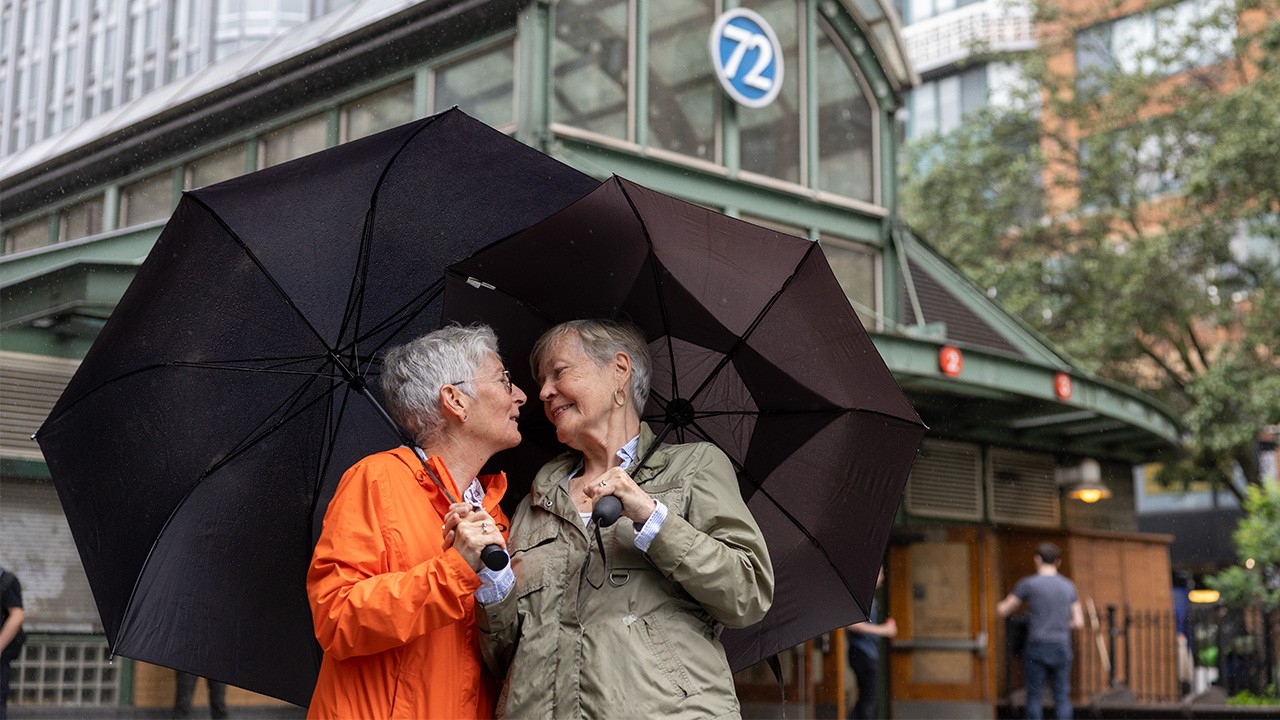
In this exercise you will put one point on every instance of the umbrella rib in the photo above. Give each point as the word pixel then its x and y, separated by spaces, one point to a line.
pixel 657 285
pixel 248 369
pixel 261 267
pixel 697 430
pixel 252 438
pixel 517 300
pixel 154 366
pixel 328 455
pixel 356 306
pixel 397 323
pixel 746 334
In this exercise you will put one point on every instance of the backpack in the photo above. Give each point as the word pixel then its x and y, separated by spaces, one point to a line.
pixel 14 648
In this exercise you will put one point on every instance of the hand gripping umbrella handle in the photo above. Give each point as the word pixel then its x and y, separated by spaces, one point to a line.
pixel 493 556
pixel 609 508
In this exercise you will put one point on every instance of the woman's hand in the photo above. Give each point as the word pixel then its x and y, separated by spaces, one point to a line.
pixel 637 506
pixel 470 529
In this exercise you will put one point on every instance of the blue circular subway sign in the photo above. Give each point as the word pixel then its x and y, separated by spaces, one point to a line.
pixel 747 57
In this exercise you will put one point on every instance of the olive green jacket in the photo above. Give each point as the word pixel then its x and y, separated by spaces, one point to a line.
pixel 640 637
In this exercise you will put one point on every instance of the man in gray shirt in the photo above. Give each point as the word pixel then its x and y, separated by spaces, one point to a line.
pixel 1053 610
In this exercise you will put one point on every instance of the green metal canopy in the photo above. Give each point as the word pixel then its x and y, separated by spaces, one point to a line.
pixel 1008 384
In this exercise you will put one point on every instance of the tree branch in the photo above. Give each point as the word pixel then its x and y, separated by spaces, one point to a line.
pixel 1177 380
pixel 1189 326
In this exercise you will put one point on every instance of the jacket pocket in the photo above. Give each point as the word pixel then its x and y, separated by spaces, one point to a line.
pixel 666 658
pixel 535 556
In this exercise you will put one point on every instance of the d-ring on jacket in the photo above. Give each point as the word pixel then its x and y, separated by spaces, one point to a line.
pixel 640 637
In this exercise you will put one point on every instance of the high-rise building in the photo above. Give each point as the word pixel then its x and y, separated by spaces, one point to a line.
pixel 65 61
pixel 941 37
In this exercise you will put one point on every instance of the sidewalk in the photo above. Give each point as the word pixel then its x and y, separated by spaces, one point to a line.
pixel 1121 704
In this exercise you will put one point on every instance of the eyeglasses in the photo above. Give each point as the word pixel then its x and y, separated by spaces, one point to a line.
pixel 505 379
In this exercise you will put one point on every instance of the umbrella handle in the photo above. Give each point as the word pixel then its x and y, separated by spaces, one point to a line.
pixel 493 557
pixel 607 510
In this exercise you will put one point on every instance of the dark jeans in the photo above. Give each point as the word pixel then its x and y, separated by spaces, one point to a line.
pixel 1052 661
pixel 4 688
pixel 186 690
pixel 864 669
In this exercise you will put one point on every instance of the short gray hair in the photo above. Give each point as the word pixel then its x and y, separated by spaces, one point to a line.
pixel 600 339
pixel 413 373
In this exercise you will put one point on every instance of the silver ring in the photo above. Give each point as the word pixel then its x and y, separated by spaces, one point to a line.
pixel 602 483
pixel 484 527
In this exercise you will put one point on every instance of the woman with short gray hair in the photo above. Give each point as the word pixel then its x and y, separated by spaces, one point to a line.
pixel 413 373
pixel 395 576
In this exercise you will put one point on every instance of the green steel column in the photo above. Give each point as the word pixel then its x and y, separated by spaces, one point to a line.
pixel 809 92
pixel 535 37
pixel 179 179
pixel 890 262
pixel 251 155
pixel 111 207
pixel 333 126
pixel 729 120
pixel 640 71
pixel 421 92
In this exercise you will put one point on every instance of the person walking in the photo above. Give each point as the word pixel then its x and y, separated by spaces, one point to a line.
pixel 864 655
pixel 184 692
pixel 11 635
pixel 1053 611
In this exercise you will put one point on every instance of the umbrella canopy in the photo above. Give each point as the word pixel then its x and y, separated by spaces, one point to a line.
pixel 756 349
pixel 197 447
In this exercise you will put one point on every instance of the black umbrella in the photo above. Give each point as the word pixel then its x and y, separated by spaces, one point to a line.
pixel 756 349
pixel 197 447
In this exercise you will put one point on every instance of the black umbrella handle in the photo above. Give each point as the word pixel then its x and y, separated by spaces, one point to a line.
pixel 607 510
pixel 494 557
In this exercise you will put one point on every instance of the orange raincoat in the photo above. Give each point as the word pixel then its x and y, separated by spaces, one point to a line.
pixel 394 613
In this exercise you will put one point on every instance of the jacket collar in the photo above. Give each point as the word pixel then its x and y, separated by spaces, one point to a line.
pixel 495 486
pixel 554 471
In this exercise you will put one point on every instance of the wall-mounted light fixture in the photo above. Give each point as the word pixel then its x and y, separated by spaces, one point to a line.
pixel 1083 482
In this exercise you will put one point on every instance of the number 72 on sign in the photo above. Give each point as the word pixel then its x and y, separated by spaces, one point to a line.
pixel 747 57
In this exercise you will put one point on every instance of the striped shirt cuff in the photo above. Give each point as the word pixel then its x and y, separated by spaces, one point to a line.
pixel 647 532
pixel 495 585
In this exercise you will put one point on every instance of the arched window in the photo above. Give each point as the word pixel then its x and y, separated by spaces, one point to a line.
pixel 826 138
pixel 846 123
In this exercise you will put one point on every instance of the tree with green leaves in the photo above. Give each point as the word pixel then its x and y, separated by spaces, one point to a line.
pixel 1127 204
pixel 1257 541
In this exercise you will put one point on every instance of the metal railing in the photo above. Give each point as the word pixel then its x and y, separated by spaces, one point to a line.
pixel 1233 647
